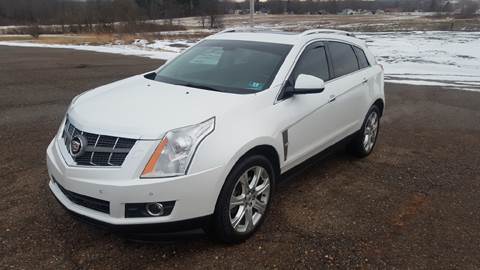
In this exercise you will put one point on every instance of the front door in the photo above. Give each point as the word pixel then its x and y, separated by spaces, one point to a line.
pixel 308 118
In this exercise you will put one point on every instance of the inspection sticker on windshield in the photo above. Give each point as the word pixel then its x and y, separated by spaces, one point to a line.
pixel 210 56
pixel 255 85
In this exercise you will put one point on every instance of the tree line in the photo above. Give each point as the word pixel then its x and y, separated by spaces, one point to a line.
pixel 106 14
pixel 129 15
pixel 466 7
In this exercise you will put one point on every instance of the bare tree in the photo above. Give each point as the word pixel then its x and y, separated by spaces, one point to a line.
pixel 212 9
pixel 203 20
pixel 34 30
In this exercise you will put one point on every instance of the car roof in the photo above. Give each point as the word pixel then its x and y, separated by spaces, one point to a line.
pixel 290 38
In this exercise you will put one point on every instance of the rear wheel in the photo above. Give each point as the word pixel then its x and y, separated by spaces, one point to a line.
pixel 244 200
pixel 365 139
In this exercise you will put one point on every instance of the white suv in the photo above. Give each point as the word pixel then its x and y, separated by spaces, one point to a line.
pixel 204 139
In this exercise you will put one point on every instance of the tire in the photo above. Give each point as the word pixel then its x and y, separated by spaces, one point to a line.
pixel 364 140
pixel 255 204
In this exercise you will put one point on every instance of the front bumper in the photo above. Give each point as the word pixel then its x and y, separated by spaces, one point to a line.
pixel 195 194
pixel 167 227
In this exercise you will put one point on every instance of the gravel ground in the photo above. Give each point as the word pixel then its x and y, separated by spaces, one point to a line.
pixel 414 203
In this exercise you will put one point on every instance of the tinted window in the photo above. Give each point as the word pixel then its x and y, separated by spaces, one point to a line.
pixel 226 66
pixel 313 62
pixel 362 59
pixel 344 60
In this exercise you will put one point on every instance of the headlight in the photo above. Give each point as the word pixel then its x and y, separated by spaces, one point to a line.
pixel 175 151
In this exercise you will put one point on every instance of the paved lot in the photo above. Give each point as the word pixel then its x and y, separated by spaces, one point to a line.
pixel 414 203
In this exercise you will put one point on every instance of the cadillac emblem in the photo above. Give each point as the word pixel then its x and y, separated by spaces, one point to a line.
pixel 77 145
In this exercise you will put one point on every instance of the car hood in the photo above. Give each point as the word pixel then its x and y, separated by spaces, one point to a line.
pixel 140 108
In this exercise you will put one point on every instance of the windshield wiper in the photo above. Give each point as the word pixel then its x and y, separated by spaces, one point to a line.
pixel 200 86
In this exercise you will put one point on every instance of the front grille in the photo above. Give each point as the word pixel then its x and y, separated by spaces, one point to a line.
pixel 101 150
pixel 85 201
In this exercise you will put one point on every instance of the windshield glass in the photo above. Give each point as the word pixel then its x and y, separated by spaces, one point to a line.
pixel 226 65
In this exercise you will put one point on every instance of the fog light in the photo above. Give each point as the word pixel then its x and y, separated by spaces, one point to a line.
pixel 149 209
pixel 154 209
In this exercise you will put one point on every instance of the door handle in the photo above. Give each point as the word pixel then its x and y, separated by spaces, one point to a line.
pixel 365 80
pixel 332 98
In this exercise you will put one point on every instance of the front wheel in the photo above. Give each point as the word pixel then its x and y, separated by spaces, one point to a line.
pixel 244 200
pixel 365 139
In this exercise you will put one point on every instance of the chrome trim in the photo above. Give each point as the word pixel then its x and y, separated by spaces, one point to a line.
pixel 103 144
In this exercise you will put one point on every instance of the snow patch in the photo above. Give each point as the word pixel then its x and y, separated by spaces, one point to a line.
pixel 116 49
pixel 435 58
pixel 451 58
pixel 419 82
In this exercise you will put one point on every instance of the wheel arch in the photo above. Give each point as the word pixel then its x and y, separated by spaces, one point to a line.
pixel 380 104
pixel 262 146
pixel 267 151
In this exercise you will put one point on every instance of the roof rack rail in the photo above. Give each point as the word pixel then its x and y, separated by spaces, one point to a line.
pixel 248 29
pixel 327 31
pixel 227 30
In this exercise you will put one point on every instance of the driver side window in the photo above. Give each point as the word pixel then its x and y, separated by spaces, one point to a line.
pixel 313 62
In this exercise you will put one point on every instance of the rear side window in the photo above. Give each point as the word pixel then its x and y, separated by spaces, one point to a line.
pixel 362 59
pixel 314 62
pixel 344 60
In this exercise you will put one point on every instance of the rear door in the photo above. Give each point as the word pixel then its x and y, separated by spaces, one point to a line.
pixel 349 89
pixel 369 72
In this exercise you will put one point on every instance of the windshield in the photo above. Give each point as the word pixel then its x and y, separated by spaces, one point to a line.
pixel 227 66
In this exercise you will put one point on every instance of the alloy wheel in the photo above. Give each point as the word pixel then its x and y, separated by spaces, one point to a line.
pixel 249 199
pixel 370 131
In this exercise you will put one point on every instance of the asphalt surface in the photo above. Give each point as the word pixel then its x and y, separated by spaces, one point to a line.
pixel 414 203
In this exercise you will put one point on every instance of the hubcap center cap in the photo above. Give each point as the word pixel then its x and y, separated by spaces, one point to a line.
pixel 249 198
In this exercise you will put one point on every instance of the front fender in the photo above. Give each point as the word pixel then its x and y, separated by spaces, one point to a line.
pixel 215 151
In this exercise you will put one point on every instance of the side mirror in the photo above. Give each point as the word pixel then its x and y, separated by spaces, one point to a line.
pixel 308 84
